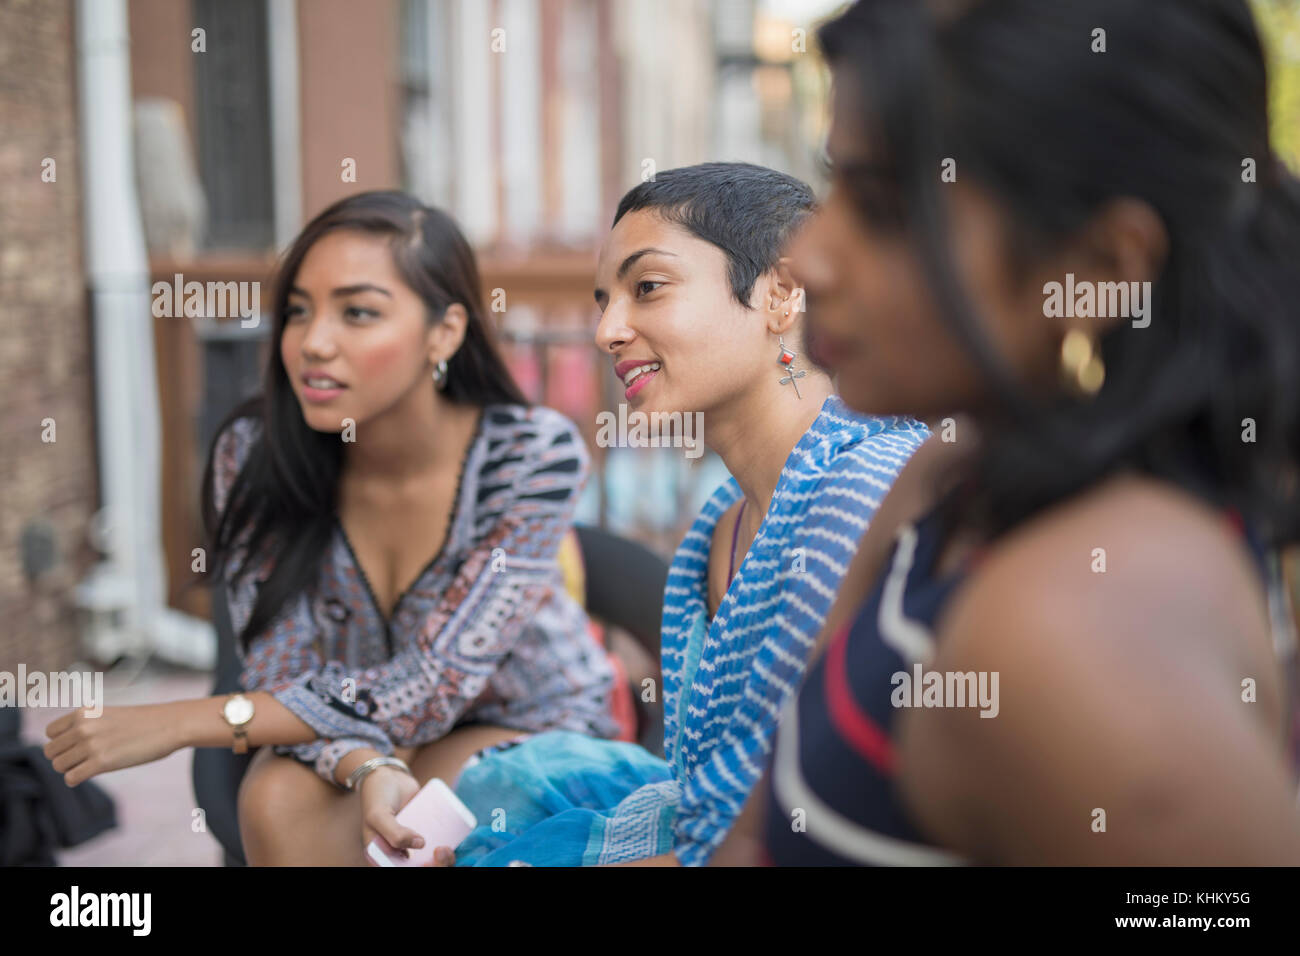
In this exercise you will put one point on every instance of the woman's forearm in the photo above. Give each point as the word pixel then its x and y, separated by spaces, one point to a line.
pixel 201 725
pixel 199 722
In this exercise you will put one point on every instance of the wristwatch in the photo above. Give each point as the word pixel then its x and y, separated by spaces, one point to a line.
pixel 237 712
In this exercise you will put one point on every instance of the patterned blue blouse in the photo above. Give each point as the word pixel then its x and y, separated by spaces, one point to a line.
pixel 470 640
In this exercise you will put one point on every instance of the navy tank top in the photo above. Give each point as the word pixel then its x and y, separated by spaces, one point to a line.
pixel 832 795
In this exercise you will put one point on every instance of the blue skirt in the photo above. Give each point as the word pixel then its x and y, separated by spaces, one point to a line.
pixel 565 799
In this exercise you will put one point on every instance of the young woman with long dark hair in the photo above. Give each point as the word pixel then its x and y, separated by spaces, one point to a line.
pixel 1087 547
pixel 384 521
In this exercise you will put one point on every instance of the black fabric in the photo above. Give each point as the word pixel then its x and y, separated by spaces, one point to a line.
pixel 39 812
pixel 625 584
pixel 625 588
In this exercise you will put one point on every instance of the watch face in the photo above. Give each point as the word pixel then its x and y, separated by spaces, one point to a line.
pixel 239 710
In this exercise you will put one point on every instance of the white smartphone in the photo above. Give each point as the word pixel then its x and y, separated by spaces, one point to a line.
pixel 436 814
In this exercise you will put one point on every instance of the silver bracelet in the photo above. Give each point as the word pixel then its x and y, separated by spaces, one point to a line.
pixel 374 763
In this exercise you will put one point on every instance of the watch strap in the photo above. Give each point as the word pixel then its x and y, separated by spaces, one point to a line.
pixel 240 743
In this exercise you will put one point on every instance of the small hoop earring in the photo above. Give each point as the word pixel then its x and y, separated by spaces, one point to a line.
pixel 1082 369
pixel 440 374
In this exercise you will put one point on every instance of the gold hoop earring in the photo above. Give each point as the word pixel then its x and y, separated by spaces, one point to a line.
pixel 1081 367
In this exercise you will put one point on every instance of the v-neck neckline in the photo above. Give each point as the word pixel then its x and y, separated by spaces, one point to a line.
pixel 761 535
pixel 452 519
pixel 691 667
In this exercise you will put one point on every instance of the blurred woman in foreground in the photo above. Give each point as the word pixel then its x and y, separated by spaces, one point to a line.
pixel 1089 557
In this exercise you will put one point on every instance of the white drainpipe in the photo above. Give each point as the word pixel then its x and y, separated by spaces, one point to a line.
pixel 286 130
pixel 126 593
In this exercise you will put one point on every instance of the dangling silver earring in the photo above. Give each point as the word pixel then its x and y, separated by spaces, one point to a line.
pixel 785 360
pixel 440 374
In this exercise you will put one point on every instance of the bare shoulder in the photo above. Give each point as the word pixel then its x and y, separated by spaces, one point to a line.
pixel 1134 554
pixel 1116 631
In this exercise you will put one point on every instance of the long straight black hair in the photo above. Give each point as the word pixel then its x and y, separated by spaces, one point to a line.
pixel 282 504
pixel 1020 93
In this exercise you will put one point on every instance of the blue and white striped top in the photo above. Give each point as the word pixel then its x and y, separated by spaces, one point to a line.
pixel 726 680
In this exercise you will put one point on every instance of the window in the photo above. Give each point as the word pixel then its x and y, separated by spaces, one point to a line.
pixel 232 112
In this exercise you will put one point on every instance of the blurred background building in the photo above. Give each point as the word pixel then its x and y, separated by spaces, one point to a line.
pixel 195 137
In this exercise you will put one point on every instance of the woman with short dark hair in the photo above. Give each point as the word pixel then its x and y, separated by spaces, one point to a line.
pixel 700 315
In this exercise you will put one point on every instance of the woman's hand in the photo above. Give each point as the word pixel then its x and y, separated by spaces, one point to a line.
pixel 383 792
pixel 443 856
pixel 81 747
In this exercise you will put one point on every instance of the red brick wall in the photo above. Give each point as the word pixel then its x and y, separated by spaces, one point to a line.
pixel 347 54
pixel 45 349
pixel 161 61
